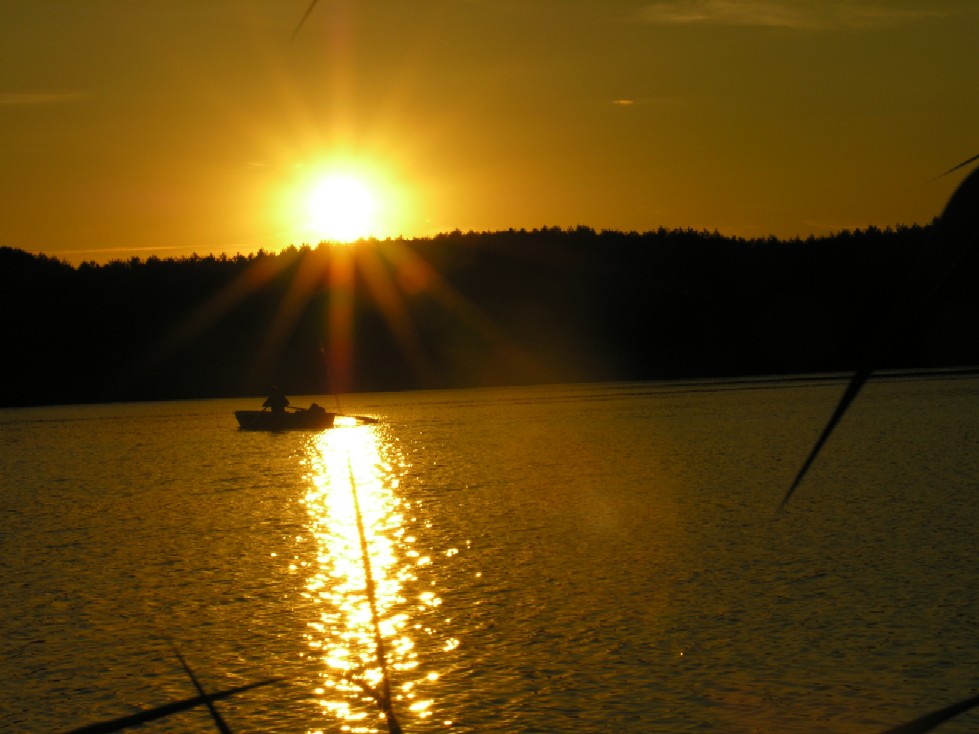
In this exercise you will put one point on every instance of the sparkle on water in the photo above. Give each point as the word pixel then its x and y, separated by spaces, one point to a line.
pixel 349 475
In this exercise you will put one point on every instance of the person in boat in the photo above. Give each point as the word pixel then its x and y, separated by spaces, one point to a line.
pixel 276 400
pixel 317 410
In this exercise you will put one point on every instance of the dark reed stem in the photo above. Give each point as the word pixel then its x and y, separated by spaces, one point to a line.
pixel 169 709
pixel 956 231
pixel 851 392
pixel 218 721
pixel 303 21
pixel 963 164
pixel 385 701
pixel 933 720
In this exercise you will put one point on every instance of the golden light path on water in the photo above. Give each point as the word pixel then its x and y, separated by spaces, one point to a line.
pixel 363 633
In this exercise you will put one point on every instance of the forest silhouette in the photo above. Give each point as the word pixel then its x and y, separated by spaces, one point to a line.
pixel 469 309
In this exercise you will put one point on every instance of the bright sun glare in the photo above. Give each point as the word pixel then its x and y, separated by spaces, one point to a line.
pixel 340 199
pixel 342 208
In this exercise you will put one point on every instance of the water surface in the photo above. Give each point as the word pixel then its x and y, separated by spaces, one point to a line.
pixel 571 558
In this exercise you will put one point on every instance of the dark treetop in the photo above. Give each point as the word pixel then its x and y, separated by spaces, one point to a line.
pixel 477 308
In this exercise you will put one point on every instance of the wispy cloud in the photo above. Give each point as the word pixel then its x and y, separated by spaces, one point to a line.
pixel 799 14
pixel 35 99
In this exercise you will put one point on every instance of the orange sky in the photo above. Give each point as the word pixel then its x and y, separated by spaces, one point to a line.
pixel 172 126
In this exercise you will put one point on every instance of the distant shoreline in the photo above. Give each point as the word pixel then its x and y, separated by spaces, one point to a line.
pixel 464 310
pixel 665 387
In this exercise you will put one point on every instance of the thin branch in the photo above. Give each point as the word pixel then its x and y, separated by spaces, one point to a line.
pixel 125 722
pixel 385 702
pixel 963 164
pixel 303 21
pixel 851 392
pixel 219 722
pixel 956 231
pixel 930 721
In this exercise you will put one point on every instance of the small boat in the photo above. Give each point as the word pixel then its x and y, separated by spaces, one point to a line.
pixel 311 419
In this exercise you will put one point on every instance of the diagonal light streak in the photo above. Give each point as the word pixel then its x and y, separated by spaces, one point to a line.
pixel 302 287
pixel 340 318
pixel 258 274
pixel 391 302
pixel 416 275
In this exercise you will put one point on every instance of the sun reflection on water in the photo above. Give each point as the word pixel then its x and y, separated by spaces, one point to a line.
pixel 365 559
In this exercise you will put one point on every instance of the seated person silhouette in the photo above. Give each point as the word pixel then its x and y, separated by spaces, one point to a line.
pixel 276 400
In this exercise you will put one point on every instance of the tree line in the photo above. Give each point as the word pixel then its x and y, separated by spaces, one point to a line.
pixel 480 308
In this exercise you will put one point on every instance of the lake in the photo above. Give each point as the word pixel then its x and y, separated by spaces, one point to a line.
pixel 577 558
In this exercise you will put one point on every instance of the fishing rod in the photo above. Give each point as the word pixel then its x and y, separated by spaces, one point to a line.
pixel 334 389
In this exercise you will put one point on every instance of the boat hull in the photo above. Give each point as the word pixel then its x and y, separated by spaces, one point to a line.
pixel 299 420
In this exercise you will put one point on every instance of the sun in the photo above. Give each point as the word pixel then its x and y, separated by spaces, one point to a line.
pixel 342 208
pixel 340 199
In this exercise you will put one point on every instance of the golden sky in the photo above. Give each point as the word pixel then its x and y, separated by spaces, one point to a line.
pixel 172 126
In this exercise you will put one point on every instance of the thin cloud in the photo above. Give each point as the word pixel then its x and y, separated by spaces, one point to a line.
pixel 36 99
pixel 796 14
pixel 656 101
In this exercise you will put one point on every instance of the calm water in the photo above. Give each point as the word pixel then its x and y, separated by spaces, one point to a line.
pixel 574 559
